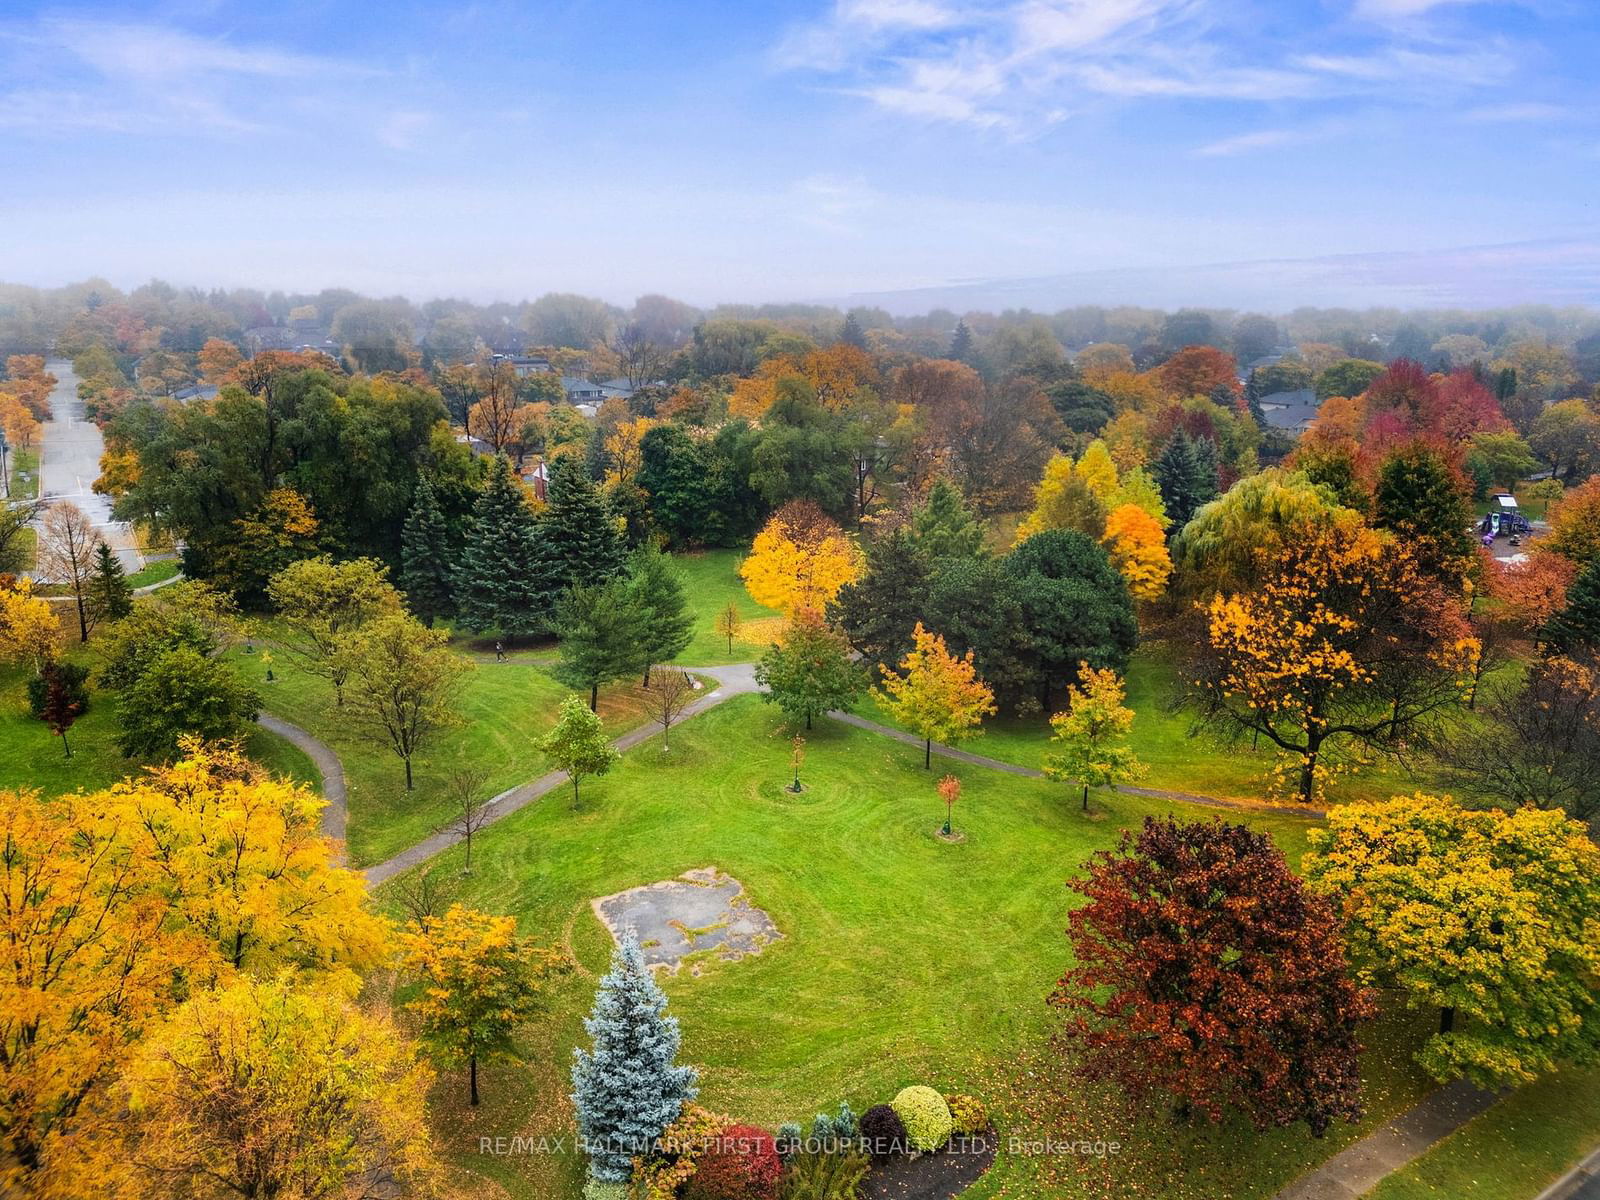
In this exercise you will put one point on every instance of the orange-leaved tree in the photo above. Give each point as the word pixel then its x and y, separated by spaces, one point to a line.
pixel 936 694
pixel 1138 550
pixel 799 560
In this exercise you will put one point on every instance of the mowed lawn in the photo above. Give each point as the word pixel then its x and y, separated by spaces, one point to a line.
pixel 1513 1151
pixel 31 756
pixel 905 959
pixel 711 579
pixel 1176 760
pixel 504 709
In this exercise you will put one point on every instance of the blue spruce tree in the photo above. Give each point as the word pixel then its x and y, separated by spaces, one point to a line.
pixel 628 1089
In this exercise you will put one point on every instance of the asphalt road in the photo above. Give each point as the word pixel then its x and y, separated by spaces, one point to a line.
pixel 70 463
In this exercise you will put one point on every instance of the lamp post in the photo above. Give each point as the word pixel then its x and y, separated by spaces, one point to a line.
pixel 5 475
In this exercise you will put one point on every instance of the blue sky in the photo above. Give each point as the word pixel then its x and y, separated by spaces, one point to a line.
pixel 746 150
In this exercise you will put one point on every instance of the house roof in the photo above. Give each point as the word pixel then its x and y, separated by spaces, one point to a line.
pixel 1290 410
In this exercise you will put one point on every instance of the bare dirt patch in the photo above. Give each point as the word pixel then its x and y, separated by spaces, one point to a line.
pixel 681 922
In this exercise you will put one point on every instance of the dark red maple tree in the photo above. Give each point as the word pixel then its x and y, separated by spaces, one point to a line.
pixel 1208 972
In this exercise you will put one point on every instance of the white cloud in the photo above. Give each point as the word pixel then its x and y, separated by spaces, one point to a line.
pixel 1245 143
pixel 1519 111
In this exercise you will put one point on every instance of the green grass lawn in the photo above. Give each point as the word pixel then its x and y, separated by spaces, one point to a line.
pixel 24 468
pixel 1177 762
pixel 504 708
pixel 154 572
pixel 31 757
pixel 904 959
pixel 1513 1151
pixel 711 579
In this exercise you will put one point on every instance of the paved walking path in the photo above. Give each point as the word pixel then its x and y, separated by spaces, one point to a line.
pixel 1580 1183
pixel 1358 1169
pixel 737 680
pixel 328 764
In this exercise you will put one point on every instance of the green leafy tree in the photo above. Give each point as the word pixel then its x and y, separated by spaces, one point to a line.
pixel 1505 456
pixel 603 630
pixel 1486 916
pixel 427 558
pixel 944 526
pixel 578 744
pixel 812 672
pixel 1347 377
pixel 501 583
pixel 654 584
pixel 579 537
pixel 321 603
pixel 1090 743
pixel 403 682
pixel 180 692
pixel 110 596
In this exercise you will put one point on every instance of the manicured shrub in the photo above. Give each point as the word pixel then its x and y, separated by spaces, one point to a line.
pixel 882 1131
pixel 825 1175
pixel 790 1135
pixel 926 1116
pixel 678 1150
pixel 605 1189
pixel 967 1115
pixel 741 1164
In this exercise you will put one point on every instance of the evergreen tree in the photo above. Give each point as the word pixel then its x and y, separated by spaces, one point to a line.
pixel 879 610
pixel 1420 496
pixel 852 334
pixel 426 574
pixel 1186 473
pixel 945 526
pixel 961 347
pixel 1577 626
pixel 110 595
pixel 500 583
pixel 580 542
pixel 629 1087
pixel 602 629
pixel 655 585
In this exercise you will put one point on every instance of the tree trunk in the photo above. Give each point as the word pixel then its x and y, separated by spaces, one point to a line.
pixel 64 745
pixel 808 719
pixel 83 618
pixel 1308 770
pixel 927 754
pixel 1447 1018
pixel 1086 797
pixel 408 773
pixel 594 698
pixel 574 791
pixel 472 1075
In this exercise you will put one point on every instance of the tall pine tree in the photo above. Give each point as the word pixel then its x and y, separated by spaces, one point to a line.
pixel 961 344
pixel 1186 473
pixel 602 629
pixel 110 595
pixel 945 526
pixel 629 1087
pixel 1421 497
pixel 578 533
pixel 501 584
pixel 657 588
pixel 427 574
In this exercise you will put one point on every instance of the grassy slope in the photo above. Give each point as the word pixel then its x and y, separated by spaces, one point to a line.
pixel 505 707
pixel 1511 1152
pixel 712 579
pixel 905 959
pixel 153 572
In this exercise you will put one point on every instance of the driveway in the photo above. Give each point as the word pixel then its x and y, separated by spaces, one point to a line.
pixel 70 463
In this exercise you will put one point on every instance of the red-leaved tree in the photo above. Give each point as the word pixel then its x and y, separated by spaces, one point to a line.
pixel 1207 972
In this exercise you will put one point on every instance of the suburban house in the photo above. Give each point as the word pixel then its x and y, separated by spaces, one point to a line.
pixel 1292 412
pixel 524 365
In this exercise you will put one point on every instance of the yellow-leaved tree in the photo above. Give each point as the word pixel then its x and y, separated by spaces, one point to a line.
pixel 799 560
pixel 1090 744
pixel 479 981
pixel 936 694
pixel 265 1088
pixel 115 904
pixel 30 631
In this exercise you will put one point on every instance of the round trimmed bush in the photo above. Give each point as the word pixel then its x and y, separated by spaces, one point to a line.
pixel 604 1189
pixel 741 1163
pixel 926 1116
pixel 882 1131
pixel 967 1115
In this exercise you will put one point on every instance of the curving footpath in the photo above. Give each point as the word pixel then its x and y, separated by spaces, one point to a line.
pixel 334 812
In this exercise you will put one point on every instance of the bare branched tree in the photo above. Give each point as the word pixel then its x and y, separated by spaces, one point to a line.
pixel 423 894
pixel 67 542
pixel 671 692
pixel 469 807
pixel 642 358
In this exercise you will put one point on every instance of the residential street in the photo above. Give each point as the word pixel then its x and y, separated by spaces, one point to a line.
pixel 70 463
